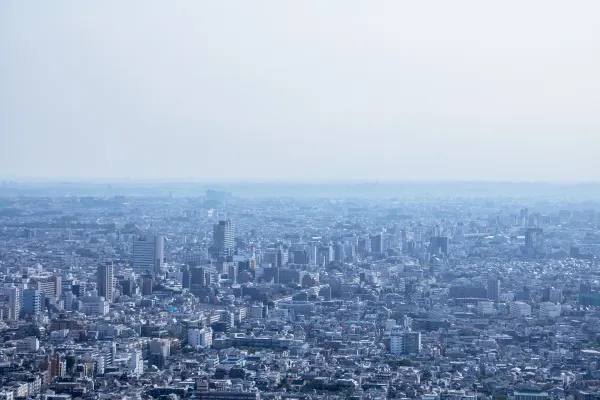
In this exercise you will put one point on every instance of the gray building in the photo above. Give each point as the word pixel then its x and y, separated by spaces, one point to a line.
pixel 106 282
pixel 223 239
pixel 148 254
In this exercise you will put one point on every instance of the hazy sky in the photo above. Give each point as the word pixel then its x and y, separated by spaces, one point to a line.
pixel 300 90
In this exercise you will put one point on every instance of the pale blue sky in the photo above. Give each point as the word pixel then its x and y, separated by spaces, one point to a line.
pixel 300 90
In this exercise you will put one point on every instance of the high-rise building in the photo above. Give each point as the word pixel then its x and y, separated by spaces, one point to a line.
pixel 277 256
pixel 439 245
pixel 147 285
pixel 324 255
pixel 300 257
pixel 377 243
pixel 552 295
pixel 79 289
pixel 148 254
pixel 404 240
pixel 519 309
pixel 493 289
pixel 10 297
pixel 32 302
pixel 412 342
pixel 106 281
pixel 397 340
pixel 549 310
pixel 135 366
pixel 128 286
pixel 404 341
pixel 339 252
pixel 50 285
pixel 198 276
pixel 200 337
pixel 160 349
pixel 223 239
pixel 534 239
pixel 186 277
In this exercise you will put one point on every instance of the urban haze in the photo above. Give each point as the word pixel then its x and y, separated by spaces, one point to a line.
pixel 316 200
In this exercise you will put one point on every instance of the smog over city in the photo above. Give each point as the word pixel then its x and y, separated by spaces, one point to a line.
pixel 285 200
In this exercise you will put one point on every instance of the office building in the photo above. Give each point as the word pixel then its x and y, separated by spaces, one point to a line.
pixel 300 257
pixel 276 256
pixel 200 337
pixel 135 366
pixel 412 342
pixel 519 309
pixel 160 349
pixel 223 239
pixel 552 295
pixel 534 240
pixel 128 286
pixel 376 243
pixel 148 254
pixel 147 285
pixel 485 308
pixel 397 341
pixel 404 341
pixel 549 310
pixel 106 281
pixel 324 255
pixel 32 302
pixel 186 277
pixel 531 395
pixel 79 289
pixel 10 297
pixel 493 289
pixel 51 285
pixel 462 292
pixel 439 245
pixel 94 305
pixel 339 252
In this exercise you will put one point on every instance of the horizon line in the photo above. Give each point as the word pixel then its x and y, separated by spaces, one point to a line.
pixel 70 180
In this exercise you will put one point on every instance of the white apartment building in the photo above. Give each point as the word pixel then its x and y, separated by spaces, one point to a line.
pixel 200 337
pixel 520 309
pixel 550 310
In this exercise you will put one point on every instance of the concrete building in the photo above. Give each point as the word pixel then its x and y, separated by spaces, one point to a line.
pixel 51 286
pixel 439 245
pixel 520 309
pixel 493 289
pixel 397 341
pixel 32 302
pixel 324 255
pixel 552 295
pixel 530 395
pixel 28 345
pixel 376 243
pixel 549 310
pixel 200 337
pixel 148 254
pixel 160 349
pixel 94 305
pixel 485 308
pixel 223 239
pixel 412 342
pixel 10 297
pixel 106 281
pixel 403 341
pixel 135 366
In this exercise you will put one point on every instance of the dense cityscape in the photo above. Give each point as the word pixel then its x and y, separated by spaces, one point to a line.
pixel 166 293
pixel 299 200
